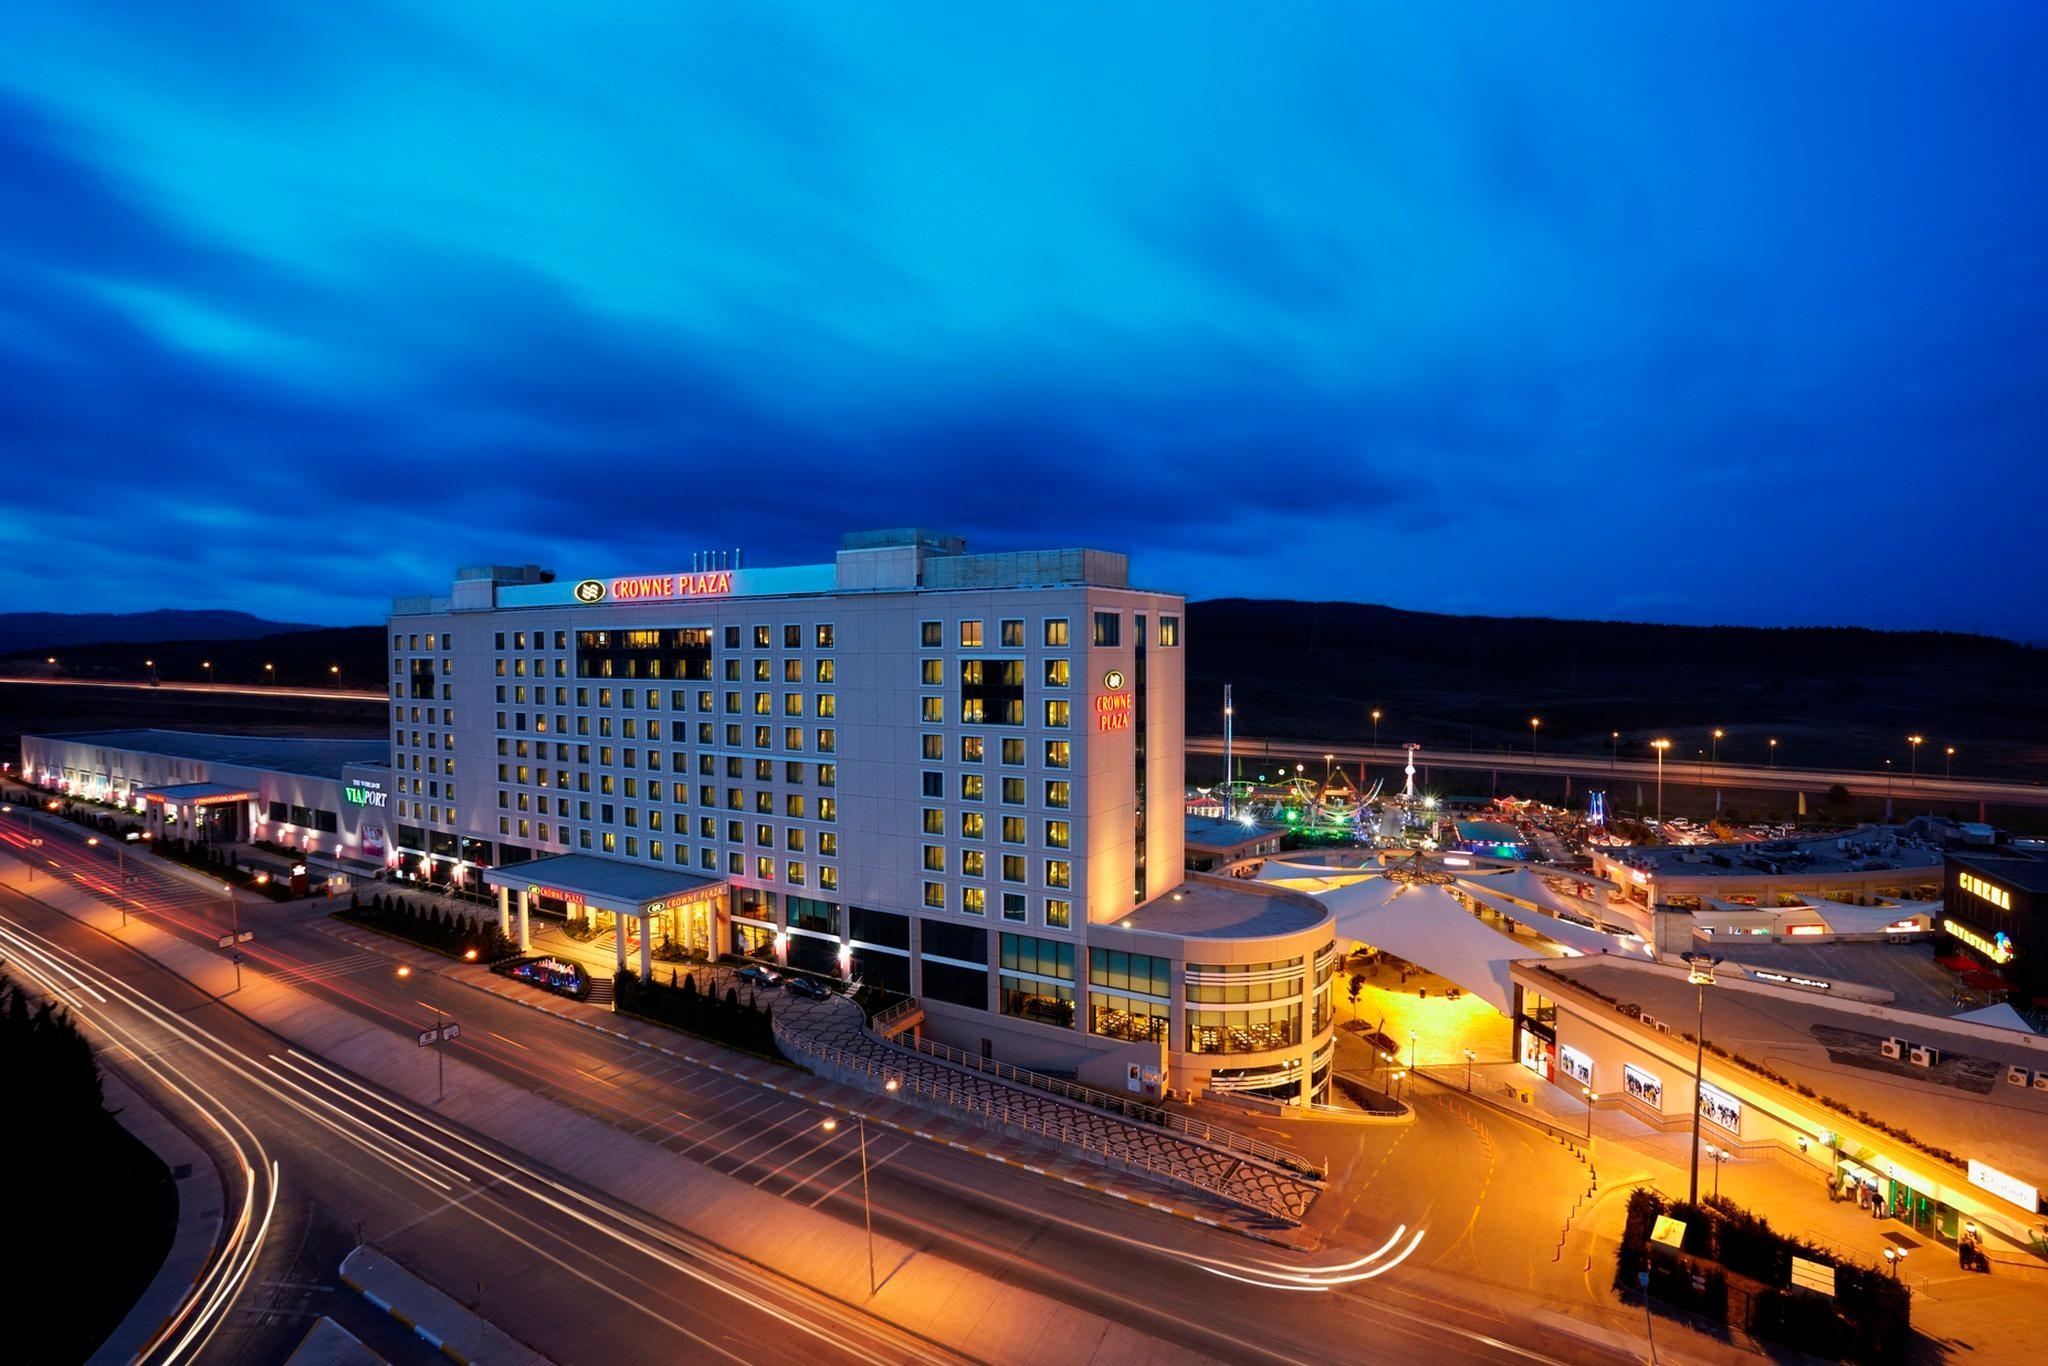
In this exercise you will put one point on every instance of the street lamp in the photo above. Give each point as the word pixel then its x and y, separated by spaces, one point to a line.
pixel 270 671
pixel 1613 748
pixel 1411 1049
pixel 1701 974
pixel 207 665
pixel 334 672
pixel 1719 1155
pixel 1773 752
pixel 1469 1056
pixel 1915 741
pixel 1592 1097
pixel 1718 733
pixel 1660 746
pixel 1327 758
pixel 1534 722
pixel 866 1202
pixel 1375 727
pixel 1948 760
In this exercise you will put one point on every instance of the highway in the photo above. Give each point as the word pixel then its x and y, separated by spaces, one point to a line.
pixel 583 1276
pixel 1677 772
pixel 224 689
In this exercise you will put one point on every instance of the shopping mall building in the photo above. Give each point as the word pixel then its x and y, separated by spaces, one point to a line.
pixel 957 776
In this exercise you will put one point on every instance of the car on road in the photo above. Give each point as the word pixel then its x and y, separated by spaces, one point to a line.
pixel 760 976
pixel 808 987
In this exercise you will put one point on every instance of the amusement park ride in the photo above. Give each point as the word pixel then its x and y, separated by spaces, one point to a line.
pixel 1335 805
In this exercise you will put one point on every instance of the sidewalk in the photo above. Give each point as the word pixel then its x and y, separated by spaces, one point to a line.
pixel 436 1320
pixel 900 1116
pixel 200 1201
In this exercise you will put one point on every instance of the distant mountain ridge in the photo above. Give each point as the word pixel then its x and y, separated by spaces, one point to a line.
pixel 24 631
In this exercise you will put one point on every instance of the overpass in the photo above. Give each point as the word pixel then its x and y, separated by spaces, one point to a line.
pixel 1677 772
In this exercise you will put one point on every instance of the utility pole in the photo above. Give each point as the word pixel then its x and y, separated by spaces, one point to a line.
pixel 1660 746
pixel 1229 804
pixel 235 929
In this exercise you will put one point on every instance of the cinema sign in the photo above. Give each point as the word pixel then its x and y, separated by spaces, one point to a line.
pixel 655 587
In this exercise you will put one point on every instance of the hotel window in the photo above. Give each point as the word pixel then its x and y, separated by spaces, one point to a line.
pixel 1058 835
pixel 1013 829
pixel 1013 751
pixel 760 637
pixel 792 671
pixel 1108 629
pixel 931 634
pixel 970 749
pixel 1056 713
pixel 971 787
pixel 792 637
pixel 934 783
pixel 828 878
pixel 1013 905
pixel 1169 630
pixel 793 737
pixel 1056 632
pixel 825 635
pixel 1058 873
pixel 1057 673
pixel 974 901
pixel 828 809
pixel 1013 792
pixel 732 637
pixel 934 708
pixel 972 825
pixel 826 671
pixel 934 747
pixel 934 820
pixel 974 863
pixel 932 673
pixel 828 775
pixel 1059 913
pixel 1059 754
pixel 1013 867
pixel 935 895
pixel 1058 793
pixel 828 705
pixel 828 844
pixel 970 635
pixel 793 704
pixel 1013 635
pixel 764 867
pixel 795 873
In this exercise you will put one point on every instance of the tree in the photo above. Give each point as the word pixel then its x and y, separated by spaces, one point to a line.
pixel 1356 987
pixel 1838 795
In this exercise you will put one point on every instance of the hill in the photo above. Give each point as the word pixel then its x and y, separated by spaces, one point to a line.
pixel 1829 695
pixel 48 631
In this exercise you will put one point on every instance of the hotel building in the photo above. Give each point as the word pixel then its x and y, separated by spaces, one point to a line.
pixel 957 776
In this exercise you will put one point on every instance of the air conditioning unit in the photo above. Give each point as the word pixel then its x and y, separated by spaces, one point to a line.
pixel 1663 1028
pixel 1892 1048
pixel 1650 1021
pixel 1922 1056
pixel 2016 1076
pixel 2041 1081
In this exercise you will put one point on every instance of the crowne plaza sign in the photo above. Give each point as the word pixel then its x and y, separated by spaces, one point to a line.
pixel 655 587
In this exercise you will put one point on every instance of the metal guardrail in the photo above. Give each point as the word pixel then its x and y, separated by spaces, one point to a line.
pixel 1136 1112
pixel 1067 1135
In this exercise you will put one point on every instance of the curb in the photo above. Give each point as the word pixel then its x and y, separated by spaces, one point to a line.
pixel 420 1332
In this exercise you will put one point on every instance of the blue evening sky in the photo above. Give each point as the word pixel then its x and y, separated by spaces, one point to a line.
pixel 1700 312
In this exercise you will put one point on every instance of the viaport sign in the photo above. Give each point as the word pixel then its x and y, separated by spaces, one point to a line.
pixel 655 587
pixel 365 794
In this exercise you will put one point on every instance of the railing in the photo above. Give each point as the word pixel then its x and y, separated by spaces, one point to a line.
pixel 889 1023
pixel 1135 1111
pixel 1060 1132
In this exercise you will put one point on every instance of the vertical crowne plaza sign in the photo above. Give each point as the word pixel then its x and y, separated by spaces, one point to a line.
pixel 1114 706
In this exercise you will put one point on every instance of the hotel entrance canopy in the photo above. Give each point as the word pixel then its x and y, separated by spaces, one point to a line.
pixel 688 905
pixel 605 884
pixel 198 794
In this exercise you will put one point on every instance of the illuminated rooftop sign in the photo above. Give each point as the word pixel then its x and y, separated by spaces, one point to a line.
pixel 1997 947
pixel 655 587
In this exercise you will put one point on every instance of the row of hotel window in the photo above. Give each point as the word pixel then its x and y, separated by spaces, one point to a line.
pixel 822 704
pixel 1107 632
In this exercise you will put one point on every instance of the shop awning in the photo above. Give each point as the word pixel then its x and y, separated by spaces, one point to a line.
pixel 197 794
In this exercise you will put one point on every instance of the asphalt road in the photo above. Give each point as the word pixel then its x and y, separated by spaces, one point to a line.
pixel 1676 772
pixel 493 1229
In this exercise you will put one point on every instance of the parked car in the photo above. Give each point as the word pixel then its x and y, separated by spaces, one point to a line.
pixel 808 987
pixel 759 975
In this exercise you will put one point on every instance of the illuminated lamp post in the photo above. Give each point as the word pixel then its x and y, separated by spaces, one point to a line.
pixel 1375 727
pixel 1772 751
pixel 1613 749
pixel 334 672
pixel 1592 1097
pixel 1701 974
pixel 867 1204
pixel 1534 722
pixel 1660 746
pixel 1718 733
pixel 150 664
pixel 1915 741
pixel 1948 760
pixel 207 665
pixel 1469 1056
pixel 270 673
pixel 1327 759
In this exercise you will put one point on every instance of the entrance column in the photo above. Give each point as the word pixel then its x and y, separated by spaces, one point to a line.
pixel 646 949
pixel 505 911
pixel 619 936
pixel 525 924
